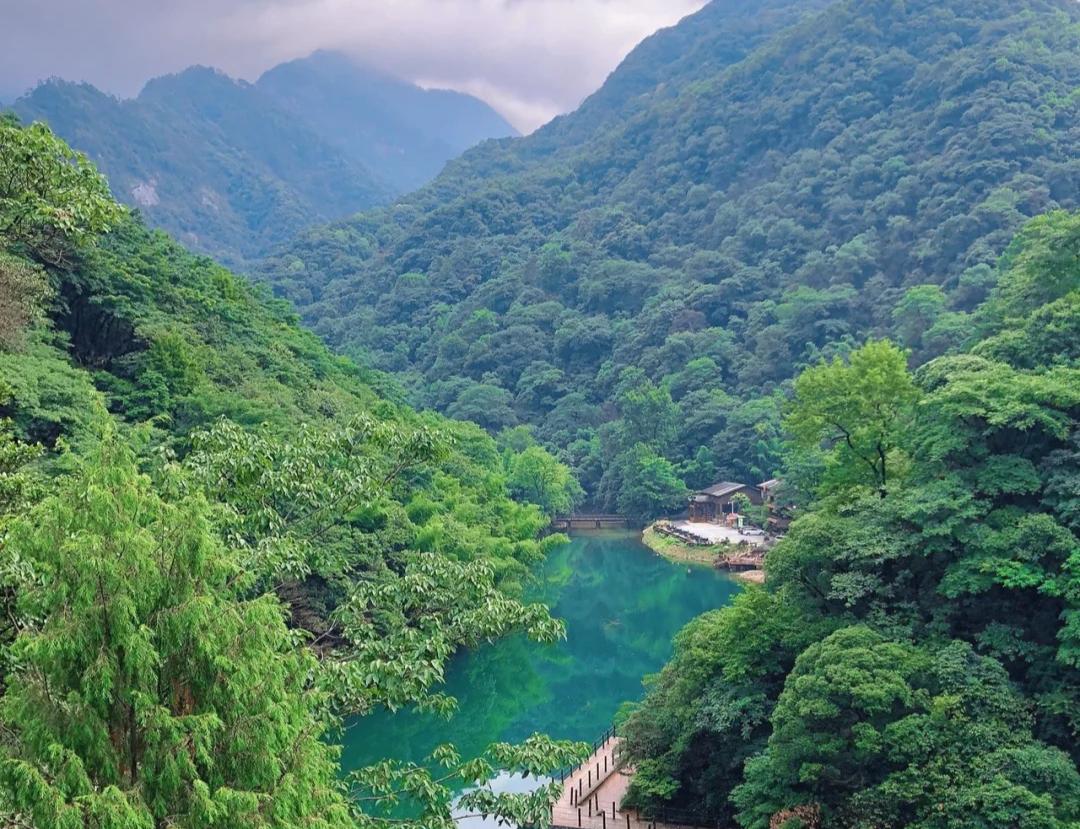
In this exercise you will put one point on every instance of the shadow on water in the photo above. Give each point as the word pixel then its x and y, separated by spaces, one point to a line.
pixel 622 605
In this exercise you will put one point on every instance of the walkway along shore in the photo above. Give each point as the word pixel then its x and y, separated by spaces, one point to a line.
pixel 592 794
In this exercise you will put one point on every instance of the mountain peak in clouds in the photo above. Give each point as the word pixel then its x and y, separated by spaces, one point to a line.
pixel 194 77
pixel 399 130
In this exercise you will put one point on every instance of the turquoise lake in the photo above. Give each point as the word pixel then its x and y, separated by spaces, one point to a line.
pixel 622 605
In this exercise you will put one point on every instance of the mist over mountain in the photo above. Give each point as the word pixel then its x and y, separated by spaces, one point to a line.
pixel 396 128
pixel 232 168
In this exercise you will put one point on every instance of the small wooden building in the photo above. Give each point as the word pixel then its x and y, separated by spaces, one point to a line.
pixel 710 505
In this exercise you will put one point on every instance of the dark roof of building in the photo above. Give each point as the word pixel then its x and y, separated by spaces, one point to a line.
pixel 723 488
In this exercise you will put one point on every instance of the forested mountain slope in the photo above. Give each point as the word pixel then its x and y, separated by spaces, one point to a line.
pixel 914 658
pixel 405 133
pixel 640 295
pixel 193 492
pixel 232 169
pixel 660 67
pixel 209 159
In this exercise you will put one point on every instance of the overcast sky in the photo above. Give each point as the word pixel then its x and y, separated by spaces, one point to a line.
pixel 530 59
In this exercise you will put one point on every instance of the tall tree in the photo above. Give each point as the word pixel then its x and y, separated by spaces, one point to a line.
pixel 52 199
pixel 537 477
pixel 870 732
pixel 142 689
pixel 854 412
pixel 650 484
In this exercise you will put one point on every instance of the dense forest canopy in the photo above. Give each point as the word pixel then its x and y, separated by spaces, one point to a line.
pixel 217 539
pixel 914 659
pixel 232 169
pixel 833 173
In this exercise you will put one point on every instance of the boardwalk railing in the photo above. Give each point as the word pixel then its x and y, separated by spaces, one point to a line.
pixel 564 773
pixel 593 790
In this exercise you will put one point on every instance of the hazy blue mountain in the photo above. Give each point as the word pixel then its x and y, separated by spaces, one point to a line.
pixel 232 169
pixel 402 132
pixel 209 159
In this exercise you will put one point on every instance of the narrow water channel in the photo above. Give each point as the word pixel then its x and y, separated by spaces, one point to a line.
pixel 622 605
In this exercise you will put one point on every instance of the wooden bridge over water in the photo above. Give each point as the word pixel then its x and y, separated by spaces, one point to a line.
pixel 592 794
pixel 589 521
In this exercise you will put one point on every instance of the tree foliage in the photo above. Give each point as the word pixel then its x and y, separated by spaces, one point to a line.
pixel 52 199
pixel 217 539
pixel 914 659
pixel 142 686
pixel 856 412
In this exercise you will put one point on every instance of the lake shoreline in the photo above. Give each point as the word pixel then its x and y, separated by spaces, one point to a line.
pixel 706 556
pixel 673 551
pixel 622 605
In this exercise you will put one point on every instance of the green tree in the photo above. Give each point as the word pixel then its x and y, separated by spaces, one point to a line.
pixel 142 687
pixel 708 711
pixel 486 404
pixel 649 416
pixel 854 412
pixel 534 475
pixel 23 291
pixel 290 504
pixel 52 199
pixel 873 732
pixel 17 482
pixel 650 485
pixel 828 724
pixel 1041 265
pixel 916 313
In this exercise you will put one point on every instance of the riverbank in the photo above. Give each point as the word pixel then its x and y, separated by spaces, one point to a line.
pixel 749 576
pixel 672 550
pixel 705 556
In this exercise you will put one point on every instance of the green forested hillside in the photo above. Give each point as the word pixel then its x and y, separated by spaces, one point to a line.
pixel 640 289
pixel 914 660
pixel 233 169
pixel 660 68
pixel 216 538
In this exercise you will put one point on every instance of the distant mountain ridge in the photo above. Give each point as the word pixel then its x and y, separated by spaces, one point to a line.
pixel 232 168
pixel 404 132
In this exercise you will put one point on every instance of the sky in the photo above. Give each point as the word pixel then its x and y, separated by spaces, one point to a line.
pixel 530 59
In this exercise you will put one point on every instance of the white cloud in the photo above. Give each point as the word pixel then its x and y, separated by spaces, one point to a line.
pixel 531 59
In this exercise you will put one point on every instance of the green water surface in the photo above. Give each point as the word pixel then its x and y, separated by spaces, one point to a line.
pixel 622 605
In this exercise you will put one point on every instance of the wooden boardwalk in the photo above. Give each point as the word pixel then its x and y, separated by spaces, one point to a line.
pixel 588 522
pixel 592 793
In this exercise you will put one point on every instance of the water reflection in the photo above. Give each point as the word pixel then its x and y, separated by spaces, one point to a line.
pixel 622 605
